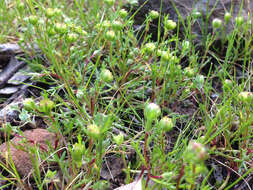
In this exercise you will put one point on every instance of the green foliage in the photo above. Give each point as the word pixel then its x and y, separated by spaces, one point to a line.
pixel 103 80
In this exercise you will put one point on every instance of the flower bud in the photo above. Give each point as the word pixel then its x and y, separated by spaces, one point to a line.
pixel 133 2
pixel 106 24
pixel 110 35
pixel 106 76
pixel 227 17
pixel 245 97
pixel 77 153
pixel 216 23
pixel 33 19
pixel 170 24
pixel 195 152
pixel 51 32
pixel 79 94
pixel 186 45
pixel 174 58
pixel 109 2
pixel 228 84
pixel 165 55
pixel 123 13
pixel 46 105
pixel 153 14
pixel 189 72
pixel 20 6
pixel 166 124
pixel 61 28
pixel 152 111
pixel 150 47
pixel 196 14
pixel 116 25
pixel 93 131
pixel 239 20
pixel 50 12
pixel 29 104
pixel 71 37
pixel 57 11
pixel 200 79
pixel 118 139
pixel 159 52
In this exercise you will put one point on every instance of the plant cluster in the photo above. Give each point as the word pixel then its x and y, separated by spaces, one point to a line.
pixel 110 94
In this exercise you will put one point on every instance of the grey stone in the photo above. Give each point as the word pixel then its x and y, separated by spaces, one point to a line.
pixel 13 66
pixel 7 114
pixel 19 77
pixel 9 90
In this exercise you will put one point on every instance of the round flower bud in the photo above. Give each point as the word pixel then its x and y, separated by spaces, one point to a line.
pixel 228 84
pixel 118 139
pixel 77 153
pixel 116 25
pixel 41 21
pixel 216 23
pixel 239 20
pixel 165 56
pixel 33 19
pixel 79 94
pixel 227 17
pixel 166 124
pixel 245 97
pixel 29 104
pixel 93 131
pixel 189 72
pixel 170 24
pixel 150 47
pixel 20 6
pixel 173 58
pixel 123 13
pixel 106 76
pixel 152 111
pixel 57 11
pixel 61 28
pixel 198 150
pixel 159 52
pixel 110 35
pixel 133 2
pixel 200 79
pixel 153 14
pixel 51 32
pixel 106 24
pixel 196 14
pixel 186 45
pixel 46 105
pixel 109 2
pixel 71 37
pixel 50 12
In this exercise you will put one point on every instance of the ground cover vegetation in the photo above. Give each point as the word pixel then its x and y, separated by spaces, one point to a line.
pixel 165 111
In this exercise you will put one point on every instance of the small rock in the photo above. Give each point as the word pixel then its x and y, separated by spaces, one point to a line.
pixel 9 90
pixel 20 146
pixel 9 48
pixel 10 69
pixel 7 114
pixel 19 77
